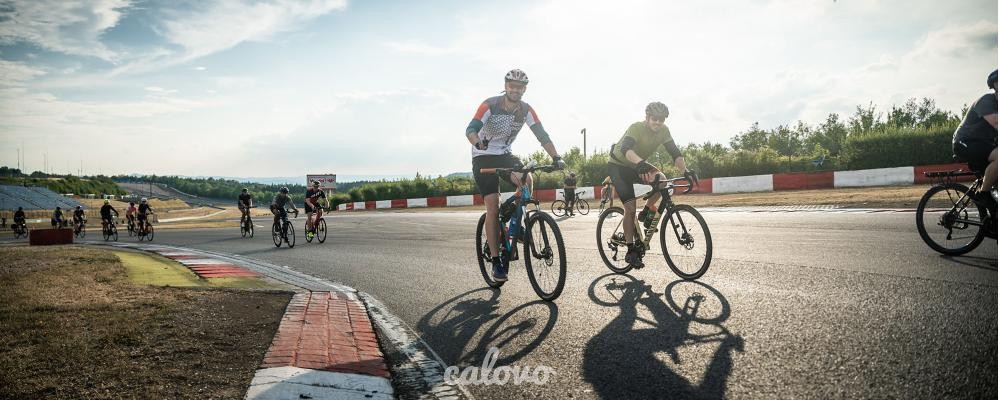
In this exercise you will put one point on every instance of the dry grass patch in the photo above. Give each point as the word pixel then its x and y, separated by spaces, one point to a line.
pixel 72 326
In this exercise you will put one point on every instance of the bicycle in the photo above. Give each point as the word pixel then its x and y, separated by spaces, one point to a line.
pixel 560 210
pixel 20 229
pixel 543 248
pixel 680 241
pixel 80 229
pixel 319 229
pixel 110 231
pixel 145 231
pixel 948 219
pixel 246 225
pixel 131 226
pixel 607 200
pixel 283 232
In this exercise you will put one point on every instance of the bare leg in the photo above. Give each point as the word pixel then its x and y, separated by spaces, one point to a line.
pixel 492 226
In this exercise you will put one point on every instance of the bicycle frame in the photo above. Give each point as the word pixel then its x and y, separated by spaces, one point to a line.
pixel 666 203
pixel 516 223
pixel 945 177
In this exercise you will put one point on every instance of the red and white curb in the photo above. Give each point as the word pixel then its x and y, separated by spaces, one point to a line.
pixel 735 184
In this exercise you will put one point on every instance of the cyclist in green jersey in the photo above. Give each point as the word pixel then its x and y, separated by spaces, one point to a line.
pixel 628 166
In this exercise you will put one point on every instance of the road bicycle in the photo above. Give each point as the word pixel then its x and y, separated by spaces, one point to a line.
pixel 80 229
pixel 20 230
pixel 145 230
pixel 607 200
pixel 131 226
pixel 283 231
pixel 110 231
pixel 582 207
pixel 948 219
pixel 685 240
pixel 319 230
pixel 246 225
pixel 543 248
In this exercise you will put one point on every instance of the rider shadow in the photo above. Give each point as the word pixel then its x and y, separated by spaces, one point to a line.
pixel 989 264
pixel 621 360
pixel 454 325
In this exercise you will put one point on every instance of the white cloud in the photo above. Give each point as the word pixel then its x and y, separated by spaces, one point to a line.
pixel 69 27
pixel 17 74
pixel 418 47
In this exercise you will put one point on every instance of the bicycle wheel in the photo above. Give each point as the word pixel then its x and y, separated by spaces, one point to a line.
pixel 558 208
pixel 686 242
pixel 305 231
pixel 276 235
pixel 114 233
pixel 149 234
pixel 321 230
pixel 943 219
pixel 131 229
pixel 290 236
pixel 582 206
pixel 106 232
pixel 611 240
pixel 483 253
pixel 544 256
pixel 243 228
pixel 250 227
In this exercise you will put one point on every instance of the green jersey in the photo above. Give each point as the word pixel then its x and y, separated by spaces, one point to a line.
pixel 644 142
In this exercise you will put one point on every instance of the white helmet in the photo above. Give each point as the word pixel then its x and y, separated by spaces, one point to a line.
pixel 516 75
pixel 143 200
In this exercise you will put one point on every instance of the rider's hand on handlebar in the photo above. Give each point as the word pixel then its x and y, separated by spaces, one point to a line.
pixel 691 176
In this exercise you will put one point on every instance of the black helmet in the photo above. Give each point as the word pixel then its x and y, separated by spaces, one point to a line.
pixel 991 80
pixel 315 183
pixel 283 189
pixel 245 190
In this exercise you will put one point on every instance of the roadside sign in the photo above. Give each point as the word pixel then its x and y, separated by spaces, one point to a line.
pixel 327 182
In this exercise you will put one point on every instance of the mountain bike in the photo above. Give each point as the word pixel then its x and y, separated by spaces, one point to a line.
pixel 80 229
pixel 685 240
pixel 246 225
pixel 559 206
pixel 110 231
pixel 319 230
pixel 544 251
pixel 145 229
pixel 948 219
pixel 283 231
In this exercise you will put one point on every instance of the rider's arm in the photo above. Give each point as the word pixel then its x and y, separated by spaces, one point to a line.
pixel 992 119
pixel 472 131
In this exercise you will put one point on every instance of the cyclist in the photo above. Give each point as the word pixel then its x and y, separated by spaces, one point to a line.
pixel 106 211
pixel 628 166
pixel 244 202
pixel 607 191
pixel 19 217
pixel 143 213
pixel 313 195
pixel 569 191
pixel 281 200
pixel 79 218
pixel 975 142
pixel 130 213
pixel 57 218
pixel 493 128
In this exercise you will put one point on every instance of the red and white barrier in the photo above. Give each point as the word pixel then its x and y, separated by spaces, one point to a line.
pixel 735 184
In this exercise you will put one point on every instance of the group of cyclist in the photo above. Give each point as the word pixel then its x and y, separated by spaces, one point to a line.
pixel 315 201
pixel 107 213
pixel 498 120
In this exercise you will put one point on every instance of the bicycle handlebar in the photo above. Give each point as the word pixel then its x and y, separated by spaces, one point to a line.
pixel 543 168
pixel 690 176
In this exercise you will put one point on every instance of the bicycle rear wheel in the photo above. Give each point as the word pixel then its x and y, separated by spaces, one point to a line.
pixel 582 206
pixel 276 235
pixel 321 230
pixel 558 208
pixel 290 235
pixel 544 256
pixel 946 221
pixel 611 240
pixel 686 242
pixel 483 253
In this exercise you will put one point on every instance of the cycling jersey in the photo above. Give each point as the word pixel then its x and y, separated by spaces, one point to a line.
pixel 281 200
pixel 78 214
pixel 145 209
pixel 974 127
pixel 131 211
pixel 498 127
pixel 644 142
pixel 106 211
pixel 18 215
pixel 245 199
pixel 315 195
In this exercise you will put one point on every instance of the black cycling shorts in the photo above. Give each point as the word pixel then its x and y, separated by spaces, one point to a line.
pixel 623 178
pixel 490 183
pixel 976 152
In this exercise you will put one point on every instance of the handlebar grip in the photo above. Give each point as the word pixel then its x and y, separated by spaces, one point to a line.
pixel 488 170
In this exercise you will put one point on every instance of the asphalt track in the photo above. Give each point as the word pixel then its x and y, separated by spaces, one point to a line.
pixel 809 304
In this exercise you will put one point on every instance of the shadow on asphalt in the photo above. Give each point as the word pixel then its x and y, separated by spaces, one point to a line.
pixel 454 325
pixel 620 361
pixel 989 264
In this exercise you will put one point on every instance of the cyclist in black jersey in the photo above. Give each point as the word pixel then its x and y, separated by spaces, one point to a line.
pixel 314 210
pixel 975 142
pixel 245 202
pixel 281 200
pixel 144 211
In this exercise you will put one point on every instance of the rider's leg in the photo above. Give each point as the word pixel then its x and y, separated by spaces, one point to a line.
pixel 628 223
pixel 492 226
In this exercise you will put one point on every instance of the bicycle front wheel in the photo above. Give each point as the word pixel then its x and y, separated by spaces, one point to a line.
pixel 250 228
pixel 149 235
pixel 305 229
pixel 321 231
pixel 558 208
pixel 611 240
pixel 483 253
pixel 686 242
pixel 276 235
pixel 948 223
pixel 545 256
pixel 106 233
pixel 582 206
pixel 290 234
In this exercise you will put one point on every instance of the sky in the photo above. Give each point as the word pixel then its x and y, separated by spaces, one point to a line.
pixel 387 88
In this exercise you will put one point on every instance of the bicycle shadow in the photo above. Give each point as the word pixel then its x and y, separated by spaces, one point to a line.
pixel 989 264
pixel 454 325
pixel 620 361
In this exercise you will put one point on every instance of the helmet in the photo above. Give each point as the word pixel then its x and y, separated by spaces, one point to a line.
pixel 991 80
pixel 572 174
pixel 143 200
pixel 516 75
pixel 19 209
pixel 316 183
pixel 106 201
pixel 245 190
pixel 657 110
pixel 131 203
pixel 283 189
pixel 79 207
pixel 58 208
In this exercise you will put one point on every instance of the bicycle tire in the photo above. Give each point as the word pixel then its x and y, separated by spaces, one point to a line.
pixel 944 219
pixel 611 243
pixel 114 233
pixel 321 231
pixel 149 234
pixel 305 232
pixel 483 252
pixel 250 227
pixel 106 233
pixel 290 234
pixel 547 259
pixel 276 235
pixel 558 208
pixel 243 228
pixel 582 206
pixel 687 239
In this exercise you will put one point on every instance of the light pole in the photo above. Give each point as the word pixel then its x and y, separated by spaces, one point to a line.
pixel 584 132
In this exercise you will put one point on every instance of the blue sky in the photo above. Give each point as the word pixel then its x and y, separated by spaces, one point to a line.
pixel 283 88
